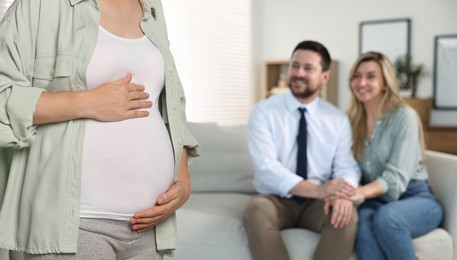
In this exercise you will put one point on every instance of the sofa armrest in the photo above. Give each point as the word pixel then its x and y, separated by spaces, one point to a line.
pixel 442 168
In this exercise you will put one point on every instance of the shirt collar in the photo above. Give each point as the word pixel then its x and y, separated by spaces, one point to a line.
pixel 293 104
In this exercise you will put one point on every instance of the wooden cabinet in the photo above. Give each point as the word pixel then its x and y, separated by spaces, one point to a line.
pixel 441 139
pixel 274 71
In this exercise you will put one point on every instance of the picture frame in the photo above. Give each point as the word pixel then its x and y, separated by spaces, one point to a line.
pixel 391 37
pixel 445 73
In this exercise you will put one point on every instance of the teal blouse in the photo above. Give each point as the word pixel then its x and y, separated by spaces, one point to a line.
pixel 392 154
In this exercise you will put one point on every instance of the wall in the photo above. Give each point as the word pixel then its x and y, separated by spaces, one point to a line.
pixel 280 25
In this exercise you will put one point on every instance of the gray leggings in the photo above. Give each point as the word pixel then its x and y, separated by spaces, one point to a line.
pixel 103 239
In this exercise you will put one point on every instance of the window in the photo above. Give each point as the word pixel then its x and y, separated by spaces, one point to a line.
pixel 211 42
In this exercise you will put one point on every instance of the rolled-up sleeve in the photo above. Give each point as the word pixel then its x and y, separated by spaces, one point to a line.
pixel 18 98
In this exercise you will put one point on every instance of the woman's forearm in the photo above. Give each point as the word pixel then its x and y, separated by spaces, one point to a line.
pixel 371 190
pixel 58 107
pixel 113 101
pixel 183 174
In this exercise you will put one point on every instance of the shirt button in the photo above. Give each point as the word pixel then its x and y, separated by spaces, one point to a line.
pixel 174 106
pixel 170 69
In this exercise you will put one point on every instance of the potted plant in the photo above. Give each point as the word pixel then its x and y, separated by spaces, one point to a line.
pixel 409 75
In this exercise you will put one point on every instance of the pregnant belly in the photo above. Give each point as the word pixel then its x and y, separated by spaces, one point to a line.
pixel 126 165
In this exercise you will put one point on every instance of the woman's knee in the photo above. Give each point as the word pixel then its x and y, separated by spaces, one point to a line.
pixel 387 219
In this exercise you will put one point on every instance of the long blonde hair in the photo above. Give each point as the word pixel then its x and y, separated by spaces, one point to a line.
pixel 390 100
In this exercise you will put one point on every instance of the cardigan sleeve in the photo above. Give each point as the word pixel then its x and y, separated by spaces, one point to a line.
pixel 18 98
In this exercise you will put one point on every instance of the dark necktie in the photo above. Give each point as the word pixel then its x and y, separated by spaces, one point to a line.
pixel 302 162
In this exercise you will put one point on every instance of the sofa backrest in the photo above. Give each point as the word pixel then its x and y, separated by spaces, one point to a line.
pixel 225 164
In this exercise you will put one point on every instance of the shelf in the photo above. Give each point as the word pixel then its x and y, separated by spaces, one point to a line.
pixel 441 139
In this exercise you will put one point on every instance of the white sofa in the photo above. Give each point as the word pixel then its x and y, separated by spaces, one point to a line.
pixel 210 225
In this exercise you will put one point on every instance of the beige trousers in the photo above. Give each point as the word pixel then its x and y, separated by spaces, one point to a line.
pixel 266 216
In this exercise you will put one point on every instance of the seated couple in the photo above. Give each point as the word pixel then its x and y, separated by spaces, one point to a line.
pixel 371 193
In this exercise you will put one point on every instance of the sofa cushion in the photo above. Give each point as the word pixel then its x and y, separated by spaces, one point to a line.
pixel 225 163
pixel 436 244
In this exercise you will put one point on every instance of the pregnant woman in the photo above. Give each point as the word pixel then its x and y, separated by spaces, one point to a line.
pixel 93 131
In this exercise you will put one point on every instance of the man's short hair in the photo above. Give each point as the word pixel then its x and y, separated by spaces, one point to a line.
pixel 320 49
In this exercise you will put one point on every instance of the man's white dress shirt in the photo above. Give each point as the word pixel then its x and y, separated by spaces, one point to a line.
pixel 272 133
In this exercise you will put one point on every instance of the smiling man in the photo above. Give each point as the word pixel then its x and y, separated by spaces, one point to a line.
pixel 304 168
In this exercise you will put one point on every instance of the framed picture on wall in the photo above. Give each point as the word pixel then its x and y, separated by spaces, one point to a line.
pixel 390 37
pixel 445 73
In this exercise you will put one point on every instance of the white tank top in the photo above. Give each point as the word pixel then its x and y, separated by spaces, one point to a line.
pixel 126 164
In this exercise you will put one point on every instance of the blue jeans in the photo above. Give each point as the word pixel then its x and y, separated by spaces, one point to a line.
pixel 386 230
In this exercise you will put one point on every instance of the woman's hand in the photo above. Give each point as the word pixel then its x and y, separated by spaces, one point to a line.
pixel 117 101
pixel 337 188
pixel 167 204
pixel 359 197
pixel 114 101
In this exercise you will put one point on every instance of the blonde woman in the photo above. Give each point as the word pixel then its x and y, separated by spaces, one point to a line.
pixel 398 203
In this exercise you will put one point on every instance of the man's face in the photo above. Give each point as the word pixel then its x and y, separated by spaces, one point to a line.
pixel 305 76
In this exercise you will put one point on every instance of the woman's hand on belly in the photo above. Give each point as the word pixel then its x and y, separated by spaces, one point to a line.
pixel 167 204
pixel 117 101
